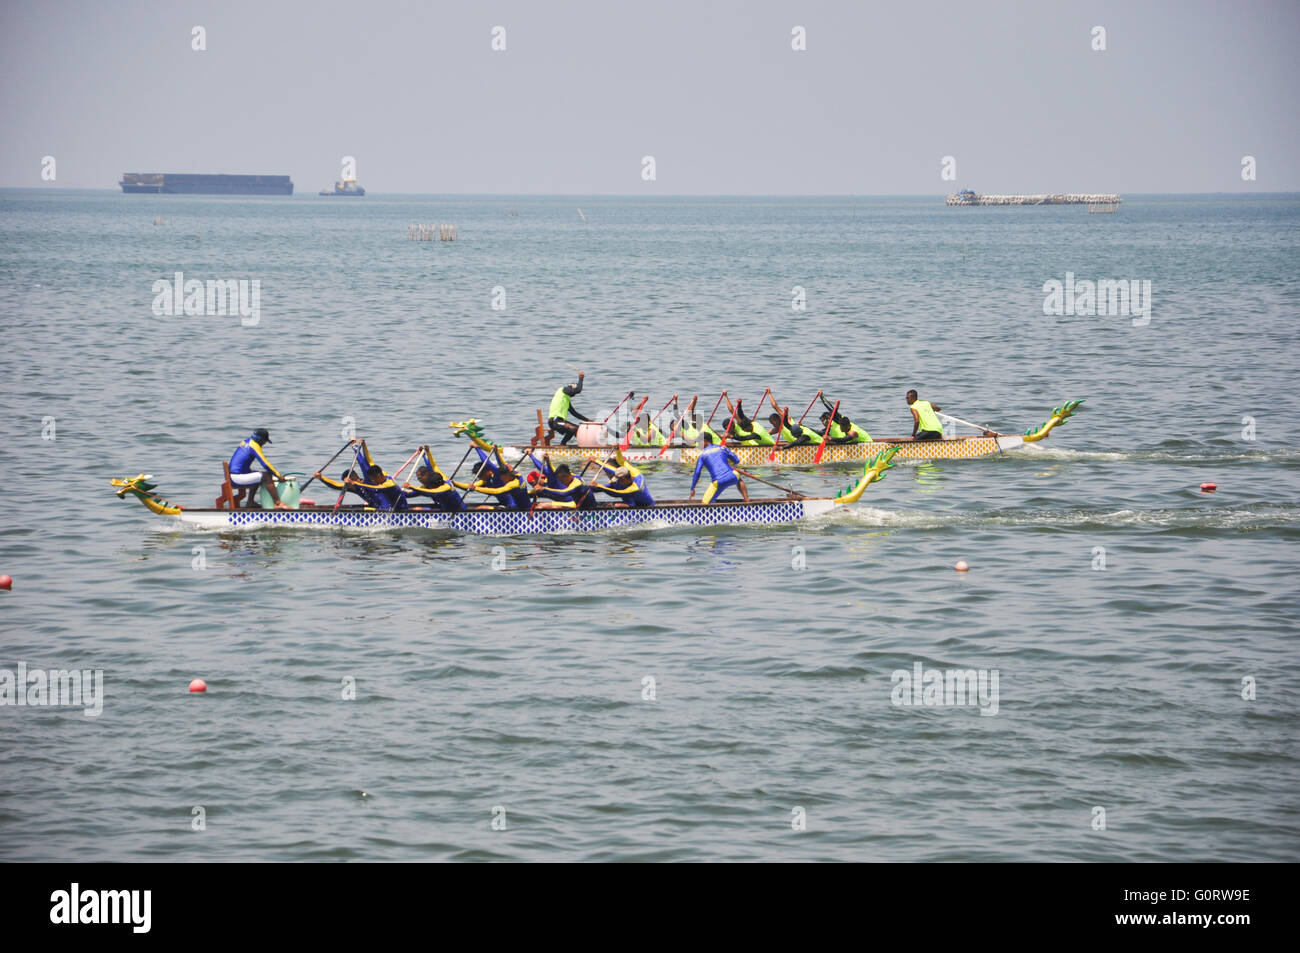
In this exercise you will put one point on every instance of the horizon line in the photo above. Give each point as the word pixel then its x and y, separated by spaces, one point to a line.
pixel 632 195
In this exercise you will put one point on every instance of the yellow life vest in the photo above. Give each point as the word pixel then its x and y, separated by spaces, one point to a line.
pixel 925 413
pixel 559 405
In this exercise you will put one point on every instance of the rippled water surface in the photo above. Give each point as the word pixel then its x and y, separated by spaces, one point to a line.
pixel 523 689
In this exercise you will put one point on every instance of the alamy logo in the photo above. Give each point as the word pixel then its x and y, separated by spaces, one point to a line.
pixel 54 688
pixel 242 296
pixel 936 688
pixel 102 906
pixel 1103 297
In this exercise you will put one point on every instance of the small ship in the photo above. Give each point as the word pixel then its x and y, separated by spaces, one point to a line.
pixel 346 187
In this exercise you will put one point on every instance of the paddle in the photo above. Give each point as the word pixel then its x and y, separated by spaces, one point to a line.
pixel 730 423
pixel 342 492
pixel 627 437
pixel 821 447
pixel 753 416
pixel 958 420
pixel 690 409
pixel 730 420
pixel 398 471
pixel 546 460
pixel 432 466
pixel 785 425
pixel 537 496
pixel 629 396
pixel 462 462
pixel 789 490
pixel 809 407
pixel 716 406
pixel 656 417
pixel 327 463
pixel 599 470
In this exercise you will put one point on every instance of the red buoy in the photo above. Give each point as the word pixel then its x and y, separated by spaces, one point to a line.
pixel 198 685
pixel 6 582
pixel 1209 487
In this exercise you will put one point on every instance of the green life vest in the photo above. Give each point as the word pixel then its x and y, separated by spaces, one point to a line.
pixel 859 435
pixel 691 434
pixel 655 436
pixel 559 405
pixel 925 413
pixel 755 437
pixel 796 430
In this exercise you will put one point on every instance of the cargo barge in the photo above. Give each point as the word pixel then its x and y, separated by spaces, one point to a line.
pixel 183 183
pixel 969 197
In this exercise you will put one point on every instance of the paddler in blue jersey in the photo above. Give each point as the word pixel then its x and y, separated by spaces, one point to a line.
pixel 557 417
pixel 557 487
pixel 244 478
pixel 925 423
pixel 792 434
pixel 376 487
pixel 500 482
pixel 433 487
pixel 720 462
pixel 628 484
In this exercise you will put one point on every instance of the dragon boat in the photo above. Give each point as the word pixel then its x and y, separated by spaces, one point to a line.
pixel 595 443
pixel 511 522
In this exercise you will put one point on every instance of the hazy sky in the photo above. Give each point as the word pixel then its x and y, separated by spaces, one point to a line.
pixel 713 90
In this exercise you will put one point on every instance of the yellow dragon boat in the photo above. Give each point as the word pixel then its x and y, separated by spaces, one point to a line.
pixel 949 448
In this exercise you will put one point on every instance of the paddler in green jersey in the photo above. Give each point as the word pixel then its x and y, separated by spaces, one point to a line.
pixel 692 430
pixel 557 418
pixel 790 433
pixel 843 430
pixel 743 430
pixel 925 423
pixel 646 434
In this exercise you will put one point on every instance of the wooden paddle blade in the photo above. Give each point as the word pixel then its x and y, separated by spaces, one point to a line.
pixel 821 447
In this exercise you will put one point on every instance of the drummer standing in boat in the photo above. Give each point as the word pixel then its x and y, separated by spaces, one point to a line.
pixel 557 418
pixel 244 478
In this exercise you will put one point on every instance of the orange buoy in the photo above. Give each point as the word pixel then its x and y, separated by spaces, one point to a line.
pixel 198 685
pixel 6 582
pixel 961 566
pixel 1209 487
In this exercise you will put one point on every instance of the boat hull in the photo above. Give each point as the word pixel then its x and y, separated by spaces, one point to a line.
pixel 957 448
pixel 514 522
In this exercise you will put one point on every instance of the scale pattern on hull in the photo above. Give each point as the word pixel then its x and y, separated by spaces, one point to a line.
pixel 514 522
pixel 963 448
